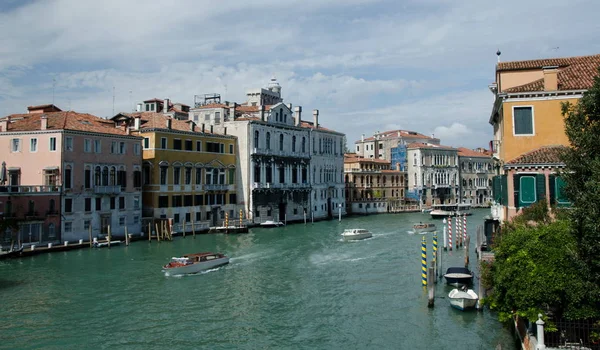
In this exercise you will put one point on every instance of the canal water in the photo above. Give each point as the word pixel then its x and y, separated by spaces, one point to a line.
pixel 294 287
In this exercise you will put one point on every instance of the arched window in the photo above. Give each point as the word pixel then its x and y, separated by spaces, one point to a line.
pixel 268 139
pixel 52 206
pixel 470 183
pixel 294 143
pixel 414 159
pixel 256 139
pixel 51 231
pixel 281 142
pixel 112 181
pixel 303 144
pixel 97 176
pixel 105 176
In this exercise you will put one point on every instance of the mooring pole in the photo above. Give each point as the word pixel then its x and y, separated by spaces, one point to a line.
pixel 435 254
pixel 423 262
pixel 445 235
pixel 430 286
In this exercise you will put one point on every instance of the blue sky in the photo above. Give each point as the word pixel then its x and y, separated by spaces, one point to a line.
pixel 367 65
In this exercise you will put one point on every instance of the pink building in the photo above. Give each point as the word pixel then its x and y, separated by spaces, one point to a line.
pixel 93 167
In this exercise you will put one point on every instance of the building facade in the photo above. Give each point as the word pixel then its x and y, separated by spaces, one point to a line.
pixel 476 174
pixel 371 186
pixel 380 145
pixel 433 173
pixel 527 116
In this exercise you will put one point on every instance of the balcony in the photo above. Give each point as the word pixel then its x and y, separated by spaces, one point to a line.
pixel 441 186
pixel 216 187
pixel 30 189
pixel 108 189
pixel 495 148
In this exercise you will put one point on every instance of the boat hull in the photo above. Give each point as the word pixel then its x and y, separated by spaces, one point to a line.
pixel 458 276
pixel 463 300
pixel 271 224
pixel 424 230
pixel 357 237
pixel 196 267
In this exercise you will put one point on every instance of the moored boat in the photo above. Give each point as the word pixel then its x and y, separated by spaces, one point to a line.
pixel 355 234
pixel 458 276
pixel 423 227
pixel 463 298
pixel 271 223
pixel 193 263
pixel 440 211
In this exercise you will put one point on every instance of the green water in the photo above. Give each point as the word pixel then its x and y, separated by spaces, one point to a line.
pixel 296 287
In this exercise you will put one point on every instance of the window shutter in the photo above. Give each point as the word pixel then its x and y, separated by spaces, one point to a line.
pixel 552 194
pixel 540 187
pixel 516 186
pixel 527 190
pixel 496 187
pixel 561 198
pixel 504 186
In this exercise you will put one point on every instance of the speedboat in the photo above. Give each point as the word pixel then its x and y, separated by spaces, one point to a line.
pixel 271 223
pixel 193 263
pixel 355 234
pixel 463 298
pixel 458 276
pixel 441 211
pixel 423 228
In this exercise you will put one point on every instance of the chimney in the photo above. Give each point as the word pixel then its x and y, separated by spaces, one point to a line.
pixel 43 122
pixel 262 112
pixel 398 133
pixel 192 125
pixel 225 131
pixel 298 115
pixel 232 111
pixel 166 106
pixel 4 123
pixel 168 123
pixel 202 127
pixel 362 138
pixel 211 129
pixel 289 106
pixel 376 146
pixel 139 107
pixel 316 118
pixel 550 78
pixel 136 123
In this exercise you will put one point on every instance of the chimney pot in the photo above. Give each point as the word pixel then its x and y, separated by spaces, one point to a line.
pixel 298 115
pixel 136 123
pixel 202 127
pixel 550 78
pixel 166 105
pixel 211 129
pixel 225 131
pixel 43 122
pixel 168 123
pixel 139 107
pixel 262 112
pixel 192 126
pixel 316 118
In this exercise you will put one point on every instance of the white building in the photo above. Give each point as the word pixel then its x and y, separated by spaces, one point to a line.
pixel 433 173
pixel 274 148
pixel 476 173
pixel 380 144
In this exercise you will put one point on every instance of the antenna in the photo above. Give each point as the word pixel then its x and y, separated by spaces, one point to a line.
pixel 113 112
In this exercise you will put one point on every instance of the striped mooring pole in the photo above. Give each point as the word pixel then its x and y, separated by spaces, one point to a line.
pixel 450 232
pixel 465 228
pixel 458 235
pixel 424 262
pixel 434 248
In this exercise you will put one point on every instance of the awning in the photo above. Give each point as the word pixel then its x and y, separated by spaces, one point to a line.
pixel 51 168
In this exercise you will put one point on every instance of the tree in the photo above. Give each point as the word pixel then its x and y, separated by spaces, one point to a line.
pixel 582 175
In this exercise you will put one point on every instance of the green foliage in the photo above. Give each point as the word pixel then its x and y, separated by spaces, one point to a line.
pixel 537 212
pixel 582 175
pixel 537 270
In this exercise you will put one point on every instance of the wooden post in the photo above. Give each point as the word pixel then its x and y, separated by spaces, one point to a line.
pixel 150 231
pixel 193 228
pixel 430 285
pixel 467 251
pixel 157 234
pixel 183 230
pixel 90 230
pixel 126 236
pixel 478 306
pixel 108 236
pixel 441 269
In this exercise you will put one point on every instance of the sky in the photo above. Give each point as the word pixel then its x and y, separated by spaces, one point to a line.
pixel 367 65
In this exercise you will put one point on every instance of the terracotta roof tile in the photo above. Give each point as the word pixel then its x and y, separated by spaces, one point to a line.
pixel 153 120
pixel 543 155
pixel 429 146
pixel 405 134
pixel 465 152
pixel 68 120
pixel 575 73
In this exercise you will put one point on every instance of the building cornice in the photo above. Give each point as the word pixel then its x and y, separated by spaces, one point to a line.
pixel 182 132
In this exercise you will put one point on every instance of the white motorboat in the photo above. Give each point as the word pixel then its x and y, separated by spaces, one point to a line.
pixel 271 223
pixel 422 228
pixel 193 263
pixel 440 211
pixel 355 234
pixel 463 298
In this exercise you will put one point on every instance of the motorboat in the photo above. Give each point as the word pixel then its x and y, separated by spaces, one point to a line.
pixel 193 263
pixel 271 223
pixel 423 228
pixel 440 211
pixel 458 276
pixel 463 298
pixel 355 234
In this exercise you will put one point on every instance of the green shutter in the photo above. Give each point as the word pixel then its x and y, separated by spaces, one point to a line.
pixel 497 189
pixel 527 192
pixel 231 176
pixel 516 186
pixel 552 188
pixel 523 120
pixel 504 186
pixel 540 187
pixel 561 197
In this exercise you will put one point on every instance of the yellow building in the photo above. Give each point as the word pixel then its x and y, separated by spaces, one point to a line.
pixel 529 127
pixel 189 172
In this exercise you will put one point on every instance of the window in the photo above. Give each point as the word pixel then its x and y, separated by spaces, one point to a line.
pixel 146 143
pixel 68 143
pixel 52 144
pixel 33 145
pixel 232 198
pixel 198 176
pixel 114 147
pixel 15 145
pixel 137 178
pixel 281 142
pixel 231 176
pixel 268 140
pixel 88 204
pixel 176 218
pixel 68 226
pixel 122 147
pixel 188 201
pixel 523 120
pixel 121 202
pixel 177 201
pixel 198 146
pixel 113 203
pixel 188 176
pixel 256 139
pixel 163 142
pixel 51 231
pixel 97 146
pixel 189 145
pixel 230 149
pixel 198 200
pixel 214 147
pixel 177 144
pixel 136 220
pixel 221 148
pixel 303 144
pixel 68 205
pixel 67 177
pixel 87 145
pixel 98 204
pixel 163 201
pixel 136 202
pixel 121 220
pixel 294 143
pixel 176 175
pixel 136 149
pixel 198 216
pixel 163 175
pixel 86 225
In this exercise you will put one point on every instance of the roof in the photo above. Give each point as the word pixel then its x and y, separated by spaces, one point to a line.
pixel 154 120
pixel 311 125
pixel 465 152
pixel 68 120
pixel 353 158
pixel 543 155
pixel 429 146
pixel 392 134
pixel 574 73
pixel 49 106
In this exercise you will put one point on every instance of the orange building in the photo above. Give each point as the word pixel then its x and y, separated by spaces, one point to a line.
pixel 529 127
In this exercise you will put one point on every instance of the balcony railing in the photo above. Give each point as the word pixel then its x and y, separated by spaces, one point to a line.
pixel 216 187
pixel 272 152
pixel 30 189
pixel 108 189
